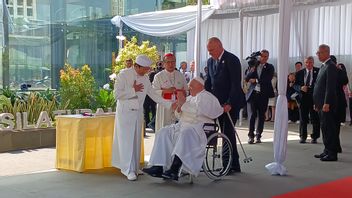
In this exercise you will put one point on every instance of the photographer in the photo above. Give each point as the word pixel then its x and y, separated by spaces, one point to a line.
pixel 260 91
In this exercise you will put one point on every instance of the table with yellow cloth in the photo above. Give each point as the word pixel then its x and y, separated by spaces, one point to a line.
pixel 84 142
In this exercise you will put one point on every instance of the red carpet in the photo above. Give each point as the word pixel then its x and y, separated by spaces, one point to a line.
pixel 337 189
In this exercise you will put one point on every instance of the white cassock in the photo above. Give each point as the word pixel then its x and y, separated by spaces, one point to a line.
pixel 129 118
pixel 187 138
pixel 165 80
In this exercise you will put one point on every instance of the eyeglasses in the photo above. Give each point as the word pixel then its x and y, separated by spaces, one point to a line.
pixel 169 61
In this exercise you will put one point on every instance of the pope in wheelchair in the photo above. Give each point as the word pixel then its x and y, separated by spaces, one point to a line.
pixel 184 144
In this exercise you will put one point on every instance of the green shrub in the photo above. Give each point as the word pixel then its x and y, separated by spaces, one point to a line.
pixel 76 87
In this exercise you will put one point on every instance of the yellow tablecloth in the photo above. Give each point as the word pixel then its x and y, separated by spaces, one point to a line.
pixel 85 142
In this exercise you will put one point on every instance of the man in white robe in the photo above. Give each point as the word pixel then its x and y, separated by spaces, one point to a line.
pixel 167 83
pixel 183 144
pixel 131 87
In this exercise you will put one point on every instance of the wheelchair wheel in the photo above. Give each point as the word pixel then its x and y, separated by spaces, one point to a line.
pixel 218 156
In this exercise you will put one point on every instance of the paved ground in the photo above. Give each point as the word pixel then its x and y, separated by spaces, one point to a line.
pixel 32 174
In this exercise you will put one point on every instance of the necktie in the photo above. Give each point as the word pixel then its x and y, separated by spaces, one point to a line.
pixel 216 65
pixel 308 79
pixel 259 70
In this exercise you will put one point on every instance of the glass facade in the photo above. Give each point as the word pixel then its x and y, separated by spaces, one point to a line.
pixel 40 36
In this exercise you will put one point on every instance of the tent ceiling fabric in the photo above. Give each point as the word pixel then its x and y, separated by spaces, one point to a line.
pixel 176 21
pixel 164 23
pixel 241 4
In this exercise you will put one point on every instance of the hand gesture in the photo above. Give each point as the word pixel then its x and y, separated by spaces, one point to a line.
pixel 326 108
pixel 138 87
pixel 227 108
pixel 181 98
pixel 304 89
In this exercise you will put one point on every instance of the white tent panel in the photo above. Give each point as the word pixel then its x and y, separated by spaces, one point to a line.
pixel 164 23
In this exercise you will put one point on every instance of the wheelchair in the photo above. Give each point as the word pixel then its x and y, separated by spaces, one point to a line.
pixel 218 155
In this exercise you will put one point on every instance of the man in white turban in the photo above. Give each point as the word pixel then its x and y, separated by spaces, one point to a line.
pixel 131 88
pixel 183 144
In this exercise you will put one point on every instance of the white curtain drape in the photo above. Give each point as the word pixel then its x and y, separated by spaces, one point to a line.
pixel 280 125
pixel 164 23
pixel 226 29
pixel 310 27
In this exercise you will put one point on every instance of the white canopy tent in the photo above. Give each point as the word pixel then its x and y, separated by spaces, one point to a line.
pixel 245 26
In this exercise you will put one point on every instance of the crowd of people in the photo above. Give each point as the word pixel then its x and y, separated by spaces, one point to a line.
pixel 315 95
pixel 176 103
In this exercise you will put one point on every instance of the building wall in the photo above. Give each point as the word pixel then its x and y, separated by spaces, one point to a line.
pixel 46 34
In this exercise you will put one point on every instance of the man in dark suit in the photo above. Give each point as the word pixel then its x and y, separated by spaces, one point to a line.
pixel 342 80
pixel 224 81
pixel 325 102
pixel 305 80
pixel 260 80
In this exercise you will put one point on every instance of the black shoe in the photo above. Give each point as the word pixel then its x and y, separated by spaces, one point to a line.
pixel 251 141
pixel 154 171
pixel 169 174
pixel 328 158
pixel 258 141
pixel 302 141
pixel 321 155
pixel 313 141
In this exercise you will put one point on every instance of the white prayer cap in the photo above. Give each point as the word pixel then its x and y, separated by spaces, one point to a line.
pixel 199 79
pixel 143 61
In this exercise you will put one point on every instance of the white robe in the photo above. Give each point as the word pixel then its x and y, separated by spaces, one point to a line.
pixel 165 80
pixel 187 138
pixel 129 118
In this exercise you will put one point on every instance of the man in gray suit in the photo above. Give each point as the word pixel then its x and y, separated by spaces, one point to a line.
pixel 325 102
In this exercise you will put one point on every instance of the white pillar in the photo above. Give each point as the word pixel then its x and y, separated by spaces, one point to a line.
pixel 281 118
pixel 198 35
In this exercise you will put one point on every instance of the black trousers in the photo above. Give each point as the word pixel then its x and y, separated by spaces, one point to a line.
pixel 149 106
pixel 328 127
pixel 307 113
pixel 259 104
pixel 228 130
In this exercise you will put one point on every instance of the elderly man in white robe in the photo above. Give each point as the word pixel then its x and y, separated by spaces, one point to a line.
pixel 131 87
pixel 183 144
pixel 167 83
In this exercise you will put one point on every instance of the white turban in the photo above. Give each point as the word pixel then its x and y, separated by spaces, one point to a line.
pixel 143 60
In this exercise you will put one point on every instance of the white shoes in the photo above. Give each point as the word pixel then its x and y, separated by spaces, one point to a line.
pixel 132 176
pixel 140 172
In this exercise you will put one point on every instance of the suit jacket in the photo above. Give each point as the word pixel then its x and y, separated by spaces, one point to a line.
pixel 224 81
pixel 342 80
pixel 300 77
pixel 266 88
pixel 325 87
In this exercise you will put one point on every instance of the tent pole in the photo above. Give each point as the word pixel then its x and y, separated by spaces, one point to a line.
pixel 198 34
pixel 120 34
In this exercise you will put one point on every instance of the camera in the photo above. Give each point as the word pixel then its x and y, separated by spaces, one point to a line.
pixel 252 60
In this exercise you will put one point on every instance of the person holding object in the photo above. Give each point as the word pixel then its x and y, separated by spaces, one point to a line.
pixel 167 83
pixel 131 88
pixel 325 103
pixel 224 82
pixel 184 143
pixel 261 90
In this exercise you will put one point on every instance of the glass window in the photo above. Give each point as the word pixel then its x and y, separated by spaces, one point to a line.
pixel 11 10
pixel 20 11
pixel 29 12
pixel 20 2
pixel 29 2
